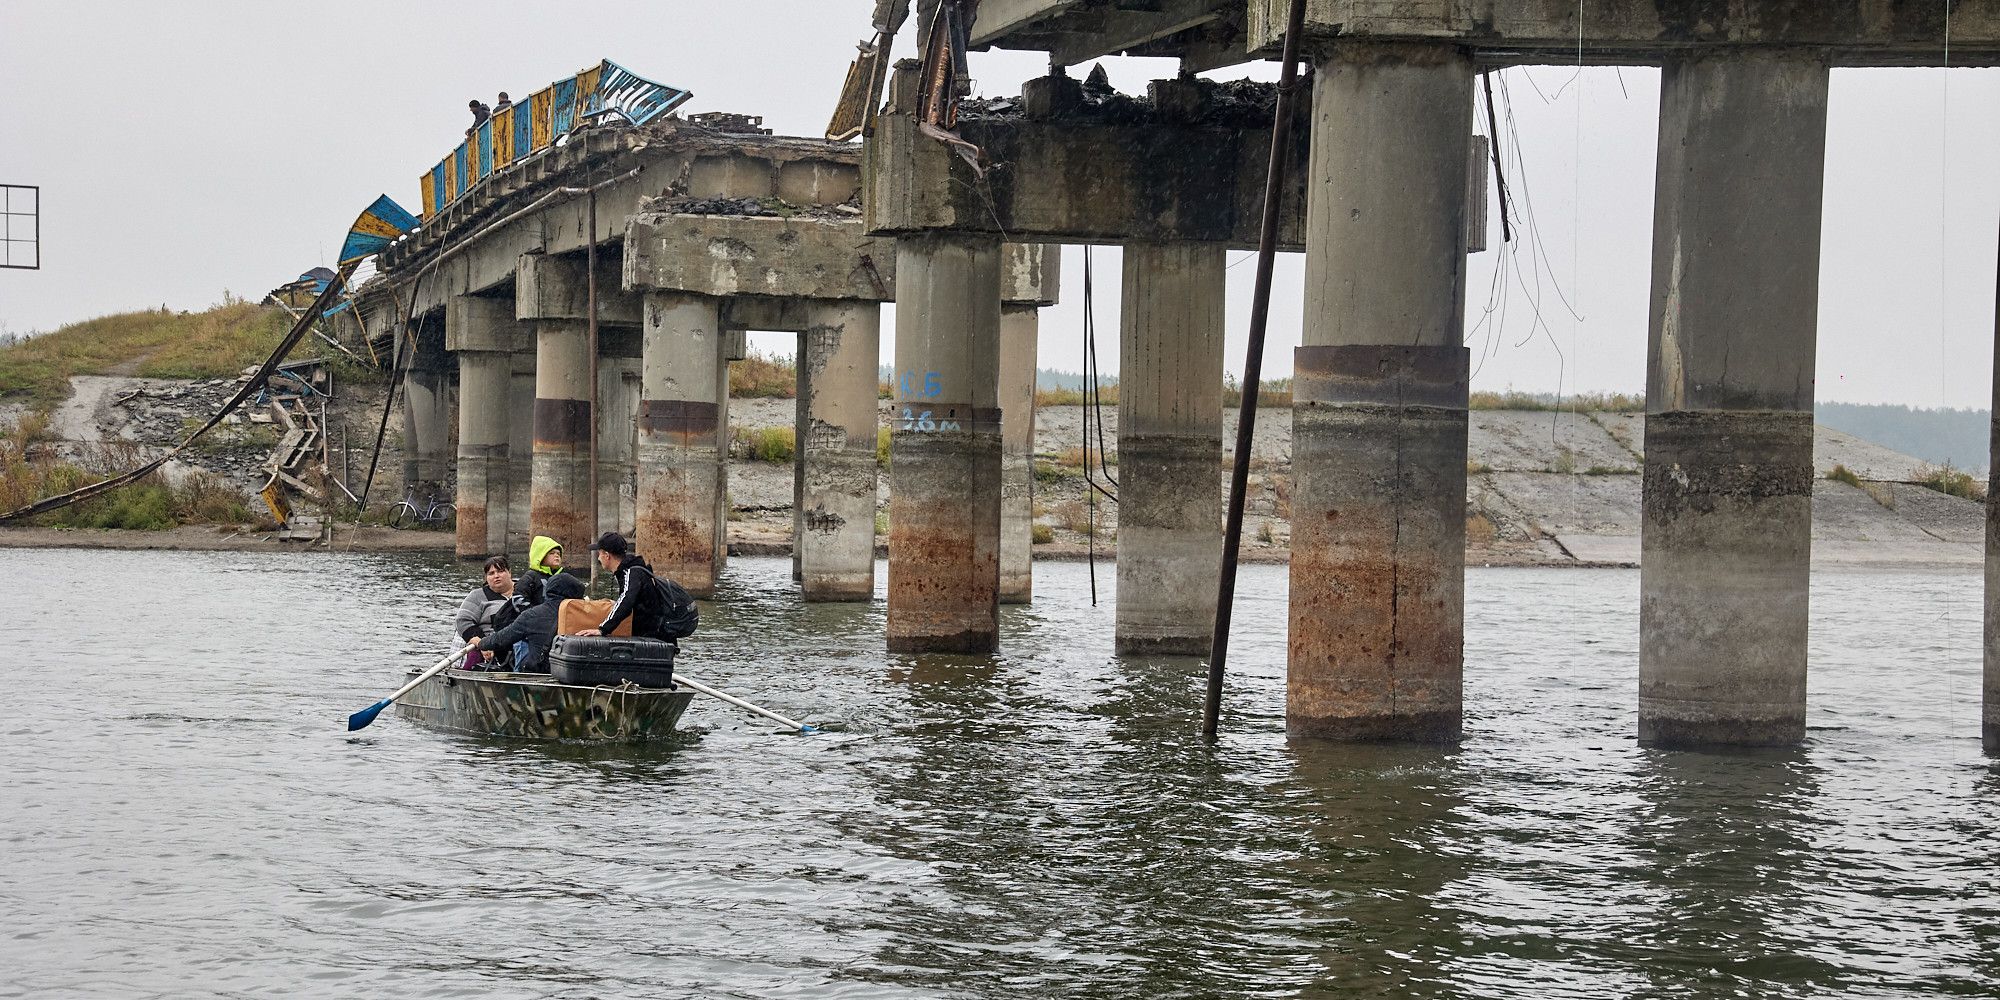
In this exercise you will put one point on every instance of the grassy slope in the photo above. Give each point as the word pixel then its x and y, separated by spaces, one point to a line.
pixel 212 344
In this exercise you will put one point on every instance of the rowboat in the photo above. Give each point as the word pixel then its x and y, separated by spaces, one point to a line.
pixel 536 707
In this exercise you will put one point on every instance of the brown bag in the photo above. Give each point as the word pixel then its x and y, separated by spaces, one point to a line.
pixel 575 615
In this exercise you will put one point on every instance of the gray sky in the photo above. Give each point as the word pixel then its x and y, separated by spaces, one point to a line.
pixel 184 149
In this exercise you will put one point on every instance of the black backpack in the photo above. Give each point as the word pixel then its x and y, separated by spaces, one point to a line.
pixel 678 615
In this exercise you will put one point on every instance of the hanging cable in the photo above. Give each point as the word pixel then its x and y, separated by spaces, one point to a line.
pixel 1089 496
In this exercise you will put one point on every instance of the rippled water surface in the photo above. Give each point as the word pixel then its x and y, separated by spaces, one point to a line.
pixel 185 816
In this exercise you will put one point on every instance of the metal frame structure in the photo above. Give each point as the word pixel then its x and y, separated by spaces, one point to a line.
pixel 10 194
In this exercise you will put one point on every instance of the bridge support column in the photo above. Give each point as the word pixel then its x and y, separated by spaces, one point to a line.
pixel 944 469
pixel 1990 703
pixel 480 331
pixel 839 358
pixel 1379 421
pixel 682 451
pixel 1020 332
pixel 1726 535
pixel 560 506
pixel 1169 447
pixel 618 381
pixel 427 454
pixel 521 444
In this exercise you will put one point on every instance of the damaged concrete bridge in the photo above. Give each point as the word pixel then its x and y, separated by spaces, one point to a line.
pixel 1384 208
pixel 951 208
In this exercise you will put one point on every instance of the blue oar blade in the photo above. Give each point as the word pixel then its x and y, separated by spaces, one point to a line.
pixel 807 730
pixel 361 719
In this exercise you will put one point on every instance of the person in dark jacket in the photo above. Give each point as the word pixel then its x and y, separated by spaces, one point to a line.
pixel 529 636
pixel 637 597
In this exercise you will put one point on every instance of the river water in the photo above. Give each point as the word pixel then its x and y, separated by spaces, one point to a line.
pixel 185 815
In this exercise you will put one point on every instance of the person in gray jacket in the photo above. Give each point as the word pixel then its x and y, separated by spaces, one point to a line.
pixel 487 609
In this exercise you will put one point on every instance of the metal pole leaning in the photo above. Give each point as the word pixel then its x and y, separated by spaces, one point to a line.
pixel 1253 368
pixel 681 678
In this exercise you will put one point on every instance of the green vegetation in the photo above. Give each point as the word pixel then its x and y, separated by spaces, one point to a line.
pixel 762 376
pixel 1565 461
pixel 1950 481
pixel 1052 474
pixel 767 444
pixel 881 522
pixel 1042 534
pixel 29 473
pixel 1843 474
pixel 216 343
pixel 882 447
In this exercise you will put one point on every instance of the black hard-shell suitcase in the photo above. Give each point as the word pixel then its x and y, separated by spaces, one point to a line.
pixel 591 660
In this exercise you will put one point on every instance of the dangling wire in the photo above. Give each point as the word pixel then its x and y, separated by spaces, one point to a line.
pixel 1089 495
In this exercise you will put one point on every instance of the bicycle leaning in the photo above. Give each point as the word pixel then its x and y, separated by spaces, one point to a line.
pixel 410 512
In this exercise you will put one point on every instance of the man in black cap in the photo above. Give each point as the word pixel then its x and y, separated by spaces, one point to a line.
pixel 637 596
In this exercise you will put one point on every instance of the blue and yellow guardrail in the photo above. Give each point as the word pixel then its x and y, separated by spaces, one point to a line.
pixel 537 122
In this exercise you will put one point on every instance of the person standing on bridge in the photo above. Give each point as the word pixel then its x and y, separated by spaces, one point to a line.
pixel 480 113
pixel 502 104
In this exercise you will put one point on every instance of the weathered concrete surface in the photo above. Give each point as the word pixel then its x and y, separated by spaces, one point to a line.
pixel 482 332
pixel 944 514
pixel 806 256
pixel 1727 531
pixel 428 460
pixel 1845 32
pixel 1169 447
pixel 618 392
pixel 1020 330
pixel 836 539
pixel 1379 431
pixel 1990 690
pixel 1066 182
pixel 521 444
pixel 682 430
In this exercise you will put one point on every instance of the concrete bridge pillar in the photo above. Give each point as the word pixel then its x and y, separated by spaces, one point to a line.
pixel 1726 537
pixel 944 469
pixel 521 441
pixel 427 388
pixel 682 448
pixel 1990 702
pixel 560 500
pixel 618 391
pixel 1379 421
pixel 1020 332
pixel 839 357
pixel 1169 447
pixel 481 332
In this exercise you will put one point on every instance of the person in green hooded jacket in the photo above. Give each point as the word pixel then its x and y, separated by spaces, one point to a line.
pixel 545 559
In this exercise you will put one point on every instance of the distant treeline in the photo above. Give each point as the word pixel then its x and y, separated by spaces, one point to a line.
pixel 1941 437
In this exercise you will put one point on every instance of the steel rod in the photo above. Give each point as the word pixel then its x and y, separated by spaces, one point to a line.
pixel 1253 368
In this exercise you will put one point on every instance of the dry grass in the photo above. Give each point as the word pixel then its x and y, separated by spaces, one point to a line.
pixel 1107 395
pixel 1950 481
pixel 29 474
pixel 1843 474
pixel 1077 458
pixel 1275 392
pixel 1042 534
pixel 1587 402
pixel 762 377
pixel 1480 529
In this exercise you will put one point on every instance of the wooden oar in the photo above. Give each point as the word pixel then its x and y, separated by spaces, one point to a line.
pixel 681 678
pixel 361 719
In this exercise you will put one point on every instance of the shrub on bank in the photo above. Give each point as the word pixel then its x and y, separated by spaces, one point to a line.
pixel 29 474
pixel 767 444
pixel 1950 481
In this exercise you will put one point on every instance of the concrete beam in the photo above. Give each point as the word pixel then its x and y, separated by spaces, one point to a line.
pixel 558 287
pixel 1076 182
pixel 1030 274
pixel 1843 32
pixel 801 257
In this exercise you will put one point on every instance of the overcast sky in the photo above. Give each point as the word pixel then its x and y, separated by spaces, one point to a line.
pixel 185 149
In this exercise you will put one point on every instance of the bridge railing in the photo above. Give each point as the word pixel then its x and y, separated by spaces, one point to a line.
pixel 540 121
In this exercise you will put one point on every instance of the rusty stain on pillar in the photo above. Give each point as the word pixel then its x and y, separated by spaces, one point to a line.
pixel 1726 530
pixel 839 360
pixel 944 469
pixel 1379 411
pixel 1169 447
pixel 680 444
pixel 1020 333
